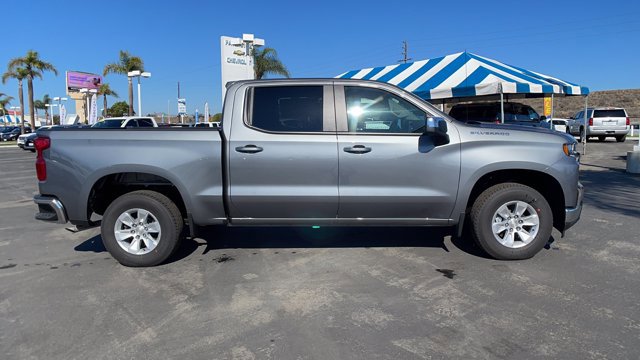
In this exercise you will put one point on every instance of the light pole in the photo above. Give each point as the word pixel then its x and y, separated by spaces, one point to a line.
pixel 250 41
pixel 59 100
pixel 51 106
pixel 138 74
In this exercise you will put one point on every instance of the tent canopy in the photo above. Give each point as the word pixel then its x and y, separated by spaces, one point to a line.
pixel 465 75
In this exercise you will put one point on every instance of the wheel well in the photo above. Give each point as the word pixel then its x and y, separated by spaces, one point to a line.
pixel 110 187
pixel 544 183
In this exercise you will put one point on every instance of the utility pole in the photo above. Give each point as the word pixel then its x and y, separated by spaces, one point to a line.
pixel 405 53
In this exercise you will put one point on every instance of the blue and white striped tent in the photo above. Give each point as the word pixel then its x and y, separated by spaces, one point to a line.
pixel 464 75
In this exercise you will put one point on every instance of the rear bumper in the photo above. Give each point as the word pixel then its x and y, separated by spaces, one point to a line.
pixel 572 215
pixel 50 209
pixel 599 130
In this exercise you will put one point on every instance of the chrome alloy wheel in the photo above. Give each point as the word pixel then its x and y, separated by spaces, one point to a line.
pixel 137 231
pixel 515 224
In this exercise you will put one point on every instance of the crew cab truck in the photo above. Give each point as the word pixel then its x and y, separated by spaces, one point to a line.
pixel 328 152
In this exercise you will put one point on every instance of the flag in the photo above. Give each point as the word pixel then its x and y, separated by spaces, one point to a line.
pixel 196 116
pixel 63 115
pixel 206 112
pixel 93 115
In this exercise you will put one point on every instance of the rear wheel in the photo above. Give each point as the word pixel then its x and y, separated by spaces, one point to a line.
pixel 582 135
pixel 511 221
pixel 621 138
pixel 141 228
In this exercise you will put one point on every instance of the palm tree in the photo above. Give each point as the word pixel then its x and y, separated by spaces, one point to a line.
pixel 46 100
pixel 126 63
pixel 4 101
pixel 34 67
pixel 39 105
pixel 265 61
pixel 105 90
pixel 18 74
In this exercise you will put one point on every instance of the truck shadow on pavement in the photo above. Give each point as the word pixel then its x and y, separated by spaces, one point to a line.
pixel 612 190
pixel 216 238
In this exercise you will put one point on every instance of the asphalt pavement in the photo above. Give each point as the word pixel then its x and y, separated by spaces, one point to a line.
pixel 328 293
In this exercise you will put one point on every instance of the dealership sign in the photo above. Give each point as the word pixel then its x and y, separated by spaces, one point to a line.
pixel 81 80
pixel 236 60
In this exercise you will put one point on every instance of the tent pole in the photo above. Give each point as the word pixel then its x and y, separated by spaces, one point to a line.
pixel 501 106
pixel 552 105
pixel 584 138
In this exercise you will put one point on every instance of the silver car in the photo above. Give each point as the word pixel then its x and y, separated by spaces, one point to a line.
pixel 601 122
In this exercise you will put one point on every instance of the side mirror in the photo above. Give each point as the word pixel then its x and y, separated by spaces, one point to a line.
pixel 436 125
pixel 543 118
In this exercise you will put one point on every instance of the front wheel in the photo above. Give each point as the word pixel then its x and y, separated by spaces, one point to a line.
pixel 511 221
pixel 141 228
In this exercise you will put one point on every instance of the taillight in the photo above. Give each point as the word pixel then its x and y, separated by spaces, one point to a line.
pixel 628 121
pixel 41 144
pixel 590 121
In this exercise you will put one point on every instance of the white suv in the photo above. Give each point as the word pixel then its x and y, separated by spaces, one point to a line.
pixel 126 122
pixel 601 123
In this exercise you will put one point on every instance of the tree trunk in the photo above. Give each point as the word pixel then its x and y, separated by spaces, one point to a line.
pixel 130 96
pixel 32 107
pixel 21 97
pixel 104 113
pixel 46 114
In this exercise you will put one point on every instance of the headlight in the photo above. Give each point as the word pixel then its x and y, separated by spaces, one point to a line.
pixel 570 150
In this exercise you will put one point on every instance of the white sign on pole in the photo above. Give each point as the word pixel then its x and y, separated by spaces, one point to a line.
pixel 63 114
pixel 236 62
pixel 182 106
pixel 93 114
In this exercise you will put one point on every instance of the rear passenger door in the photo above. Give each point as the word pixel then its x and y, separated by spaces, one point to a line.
pixel 283 159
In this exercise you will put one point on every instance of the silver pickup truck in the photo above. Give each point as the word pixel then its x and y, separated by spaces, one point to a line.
pixel 311 152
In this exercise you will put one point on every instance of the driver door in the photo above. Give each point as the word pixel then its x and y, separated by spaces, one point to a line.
pixel 389 169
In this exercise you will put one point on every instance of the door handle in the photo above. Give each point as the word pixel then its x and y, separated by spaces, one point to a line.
pixel 249 149
pixel 357 149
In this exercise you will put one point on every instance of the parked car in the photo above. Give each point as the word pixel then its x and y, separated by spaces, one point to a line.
pixel 28 142
pixel 558 124
pixel 12 133
pixel 126 122
pixel 601 122
pixel 207 124
pixel 312 152
pixel 490 112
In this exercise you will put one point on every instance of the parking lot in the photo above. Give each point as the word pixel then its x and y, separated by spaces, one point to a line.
pixel 328 293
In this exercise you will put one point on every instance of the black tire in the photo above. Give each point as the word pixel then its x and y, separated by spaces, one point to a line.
pixel 488 203
pixel 582 135
pixel 165 211
pixel 601 138
pixel 621 138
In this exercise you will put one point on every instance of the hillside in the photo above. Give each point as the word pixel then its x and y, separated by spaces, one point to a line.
pixel 567 106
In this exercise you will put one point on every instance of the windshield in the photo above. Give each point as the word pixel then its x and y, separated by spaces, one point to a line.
pixel 7 129
pixel 110 123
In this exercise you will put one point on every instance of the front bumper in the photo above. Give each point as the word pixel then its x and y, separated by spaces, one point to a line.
pixel 572 215
pixel 50 209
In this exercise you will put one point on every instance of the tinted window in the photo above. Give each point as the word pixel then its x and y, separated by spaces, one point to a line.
pixel 111 123
pixel 475 113
pixel 610 113
pixel 377 111
pixel 145 123
pixel 287 108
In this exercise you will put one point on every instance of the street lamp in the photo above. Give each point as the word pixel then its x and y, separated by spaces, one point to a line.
pixel 51 106
pixel 59 100
pixel 250 41
pixel 138 74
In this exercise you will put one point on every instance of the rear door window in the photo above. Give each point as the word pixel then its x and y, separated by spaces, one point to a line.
pixel 286 108
pixel 609 113
pixel 145 123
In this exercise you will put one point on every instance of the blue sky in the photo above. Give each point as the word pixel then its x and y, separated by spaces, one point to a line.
pixel 592 43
